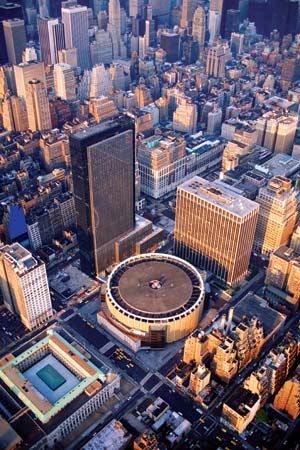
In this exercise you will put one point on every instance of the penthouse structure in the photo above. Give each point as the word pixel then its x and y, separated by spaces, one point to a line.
pixel 24 285
pixel 214 228
pixel 167 160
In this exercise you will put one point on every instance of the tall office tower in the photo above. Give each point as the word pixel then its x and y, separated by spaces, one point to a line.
pixel 287 399
pixel 76 25
pixel 199 26
pixel 8 10
pixel 102 20
pixel 290 71
pixel 136 8
pixel 68 57
pixel 278 210
pixel 185 117
pixel 64 82
pixel 277 132
pixel 24 72
pixel 215 64
pixel 227 5
pixel 214 228
pixel 15 39
pixel 37 105
pixel 169 42
pixel 101 83
pixel 214 122
pixel 14 114
pixel 188 11
pixel 295 240
pixel 101 49
pixel 277 12
pixel 51 37
pixel 232 22
pixel 214 20
pixel 236 43
pixel 24 285
pixel 103 167
pixel 114 17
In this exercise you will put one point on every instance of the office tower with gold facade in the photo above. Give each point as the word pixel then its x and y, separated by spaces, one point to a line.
pixel 278 211
pixel 37 104
pixel 214 228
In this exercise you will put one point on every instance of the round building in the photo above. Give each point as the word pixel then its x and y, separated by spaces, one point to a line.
pixel 155 297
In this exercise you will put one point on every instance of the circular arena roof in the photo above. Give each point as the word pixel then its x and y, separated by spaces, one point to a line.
pixel 155 286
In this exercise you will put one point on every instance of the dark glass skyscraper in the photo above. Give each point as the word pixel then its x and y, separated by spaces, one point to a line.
pixel 103 164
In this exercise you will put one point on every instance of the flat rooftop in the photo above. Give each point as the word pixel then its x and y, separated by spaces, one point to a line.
pixel 253 305
pixel 220 194
pixel 46 385
pixel 155 286
pixel 113 436
pixel 281 165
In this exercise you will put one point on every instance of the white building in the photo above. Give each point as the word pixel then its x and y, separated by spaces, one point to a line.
pixel 24 285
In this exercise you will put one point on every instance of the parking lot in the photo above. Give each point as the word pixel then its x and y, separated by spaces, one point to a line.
pixel 11 328
pixel 124 362
pixel 88 331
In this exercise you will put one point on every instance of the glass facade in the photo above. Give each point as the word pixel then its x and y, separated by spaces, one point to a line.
pixel 103 162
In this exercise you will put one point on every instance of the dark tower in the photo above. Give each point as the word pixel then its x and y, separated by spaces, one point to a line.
pixel 103 167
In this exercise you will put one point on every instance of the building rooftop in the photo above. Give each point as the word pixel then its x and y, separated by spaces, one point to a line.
pixel 255 306
pixel 113 436
pixel 220 194
pixel 36 385
pixel 280 165
pixel 20 258
pixel 242 401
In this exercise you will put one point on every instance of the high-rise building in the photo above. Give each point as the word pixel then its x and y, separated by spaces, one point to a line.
pixel 14 114
pixel 199 25
pixel 68 57
pixel 76 26
pixel 199 379
pixel 227 6
pixel 215 64
pixel 24 285
pixel 277 132
pixel 15 39
pixel 136 8
pixel 101 82
pixel 232 22
pixel 214 228
pixel 278 210
pixel 114 17
pixel 51 37
pixel 64 82
pixel 37 105
pixel 240 409
pixel 188 10
pixel 195 348
pixel 214 122
pixel 214 20
pixel 103 167
pixel 8 10
pixel 288 397
pixel 185 117
pixel 236 43
pixel 295 240
pixel 169 42
pixel 24 72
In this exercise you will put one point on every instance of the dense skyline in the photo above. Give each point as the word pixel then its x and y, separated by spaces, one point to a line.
pixel 149 224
